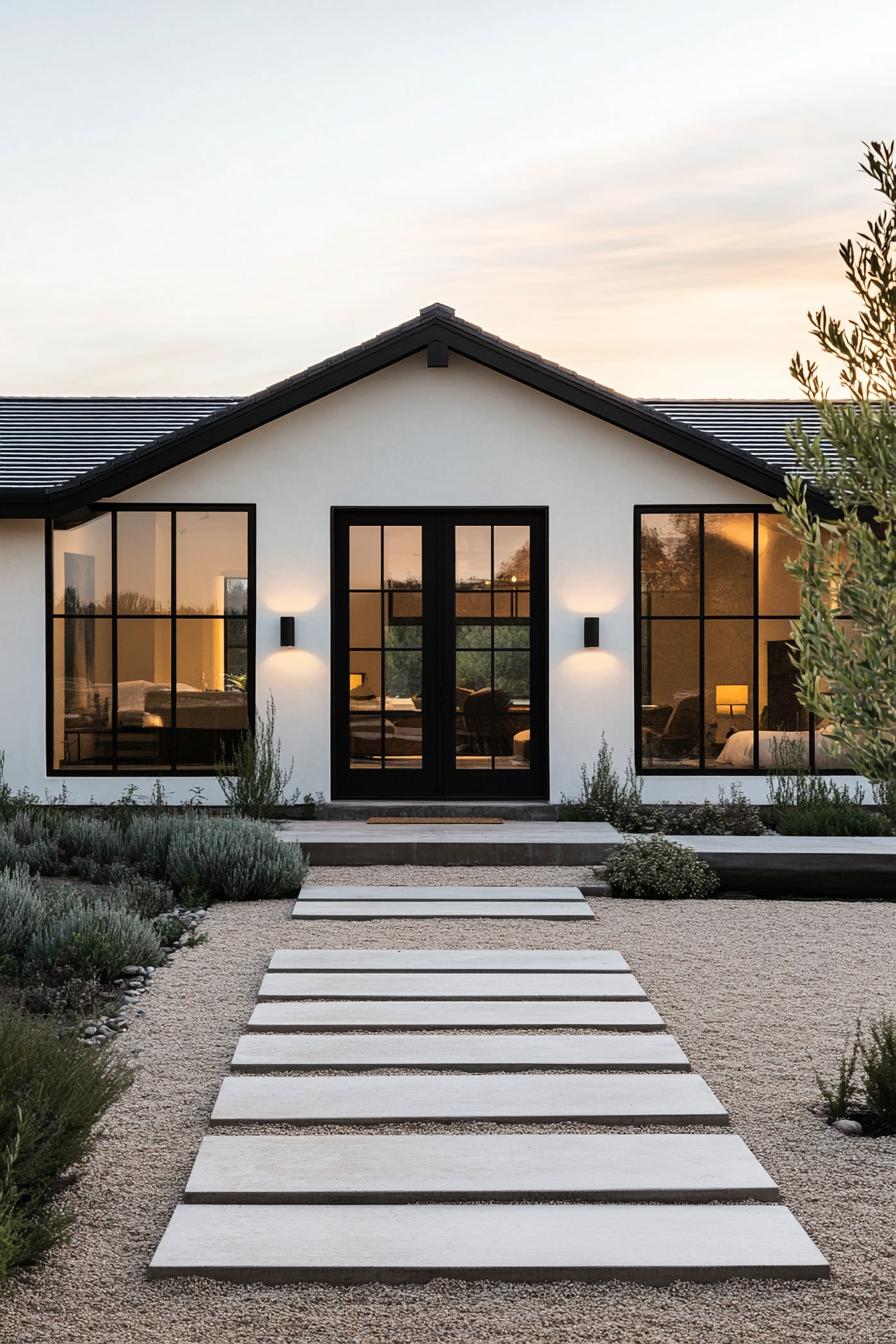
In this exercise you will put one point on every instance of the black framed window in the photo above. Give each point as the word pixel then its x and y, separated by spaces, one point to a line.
pixel 150 637
pixel 714 680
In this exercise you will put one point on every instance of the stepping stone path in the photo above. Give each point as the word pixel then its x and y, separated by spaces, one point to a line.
pixel 275 1169
pixel 257 1053
pixel 457 986
pixel 309 909
pixel 404 1207
pixel 610 1098
pixel 381 1014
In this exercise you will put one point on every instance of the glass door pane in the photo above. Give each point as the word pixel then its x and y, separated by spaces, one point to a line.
pixel 492 647
pixel 385 662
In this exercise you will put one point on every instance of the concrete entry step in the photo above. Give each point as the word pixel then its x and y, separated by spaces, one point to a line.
pixel 609 1098
pixel 306 909
pixel 361 811
pixel 282 1169
pixel 257 1053
pixel 645 1243
pixel 373 1015
pixel 313 893
pixel 458 987
pixel 435 960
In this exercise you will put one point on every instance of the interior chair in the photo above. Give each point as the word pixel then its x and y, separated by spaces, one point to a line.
pixel 488 722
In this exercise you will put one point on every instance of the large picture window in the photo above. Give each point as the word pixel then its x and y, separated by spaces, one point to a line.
pixel 150 638
pixel 715 684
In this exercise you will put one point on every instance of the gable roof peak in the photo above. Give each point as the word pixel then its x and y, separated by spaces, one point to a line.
pixel 437 310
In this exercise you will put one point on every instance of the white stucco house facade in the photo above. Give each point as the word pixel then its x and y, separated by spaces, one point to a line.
pixel 439 513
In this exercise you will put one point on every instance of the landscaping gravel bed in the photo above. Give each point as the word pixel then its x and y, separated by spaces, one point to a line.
pixel 757 992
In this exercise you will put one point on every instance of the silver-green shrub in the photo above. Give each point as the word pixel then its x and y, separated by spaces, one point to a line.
pixel 231 859
pixel 21 912
pixel 655 868
pixel 93 938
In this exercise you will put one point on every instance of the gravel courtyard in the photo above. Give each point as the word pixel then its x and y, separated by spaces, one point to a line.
pixel 757 993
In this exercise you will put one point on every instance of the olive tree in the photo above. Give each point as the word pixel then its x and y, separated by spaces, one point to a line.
pixel 847 562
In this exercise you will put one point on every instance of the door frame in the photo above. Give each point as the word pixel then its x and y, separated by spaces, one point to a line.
pixel 430 782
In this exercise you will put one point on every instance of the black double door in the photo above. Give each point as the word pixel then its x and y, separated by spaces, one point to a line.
pixel 439 654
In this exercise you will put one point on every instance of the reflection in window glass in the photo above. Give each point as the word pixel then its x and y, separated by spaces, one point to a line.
pixel 82 567
pixel 671 730
pixel 364 560
pixel 211 548
pixel 140 723
pixel 144 562
pixel 670 564
pixel 728 564
pixel 82 693
pixel 779 592
pixel 511 556
pixel 402 557
pixel 473 556
pixel 730 702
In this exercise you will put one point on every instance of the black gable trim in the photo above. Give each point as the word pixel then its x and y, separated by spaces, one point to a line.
pixel 436 327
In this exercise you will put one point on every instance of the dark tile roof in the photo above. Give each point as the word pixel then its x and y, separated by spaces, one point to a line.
pixel 49 441
pixel 755 427
pixel 58 453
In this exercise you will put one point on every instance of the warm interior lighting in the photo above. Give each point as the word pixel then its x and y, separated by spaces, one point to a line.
pixel 356 679
pixel 732 699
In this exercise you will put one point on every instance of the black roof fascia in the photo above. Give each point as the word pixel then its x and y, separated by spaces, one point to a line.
pixel 439 326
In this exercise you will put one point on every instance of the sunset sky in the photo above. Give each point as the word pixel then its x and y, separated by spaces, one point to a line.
pixel 203 196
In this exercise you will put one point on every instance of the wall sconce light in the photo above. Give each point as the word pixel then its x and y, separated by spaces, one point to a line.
pixel 287 632
pixel 592 632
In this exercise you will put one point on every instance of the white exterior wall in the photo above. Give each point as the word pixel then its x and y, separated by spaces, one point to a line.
pixel 459 436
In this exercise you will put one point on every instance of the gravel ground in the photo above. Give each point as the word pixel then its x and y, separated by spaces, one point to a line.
pixel 755 991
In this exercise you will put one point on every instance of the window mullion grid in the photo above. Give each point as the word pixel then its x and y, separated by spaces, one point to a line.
pixel 383 647
pixel 701 676
pixel 172 745
pixel 114 621
pixel 756 764
pixel 492 637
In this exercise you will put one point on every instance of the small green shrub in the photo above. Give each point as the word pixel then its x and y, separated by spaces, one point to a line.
pixel 143 896
pixel 655 868
pixel 252 779
pixel 94 939
pixel 839 1095
pixel 879 1071
pixel 731 815
pixel 604 797
pixel 235 860
pixel 148 840
pixel 21 914
pixel 816 804
pixel 52 1092
pixel 92 838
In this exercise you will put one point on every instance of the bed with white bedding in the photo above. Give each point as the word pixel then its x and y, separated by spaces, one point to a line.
pixel 737 753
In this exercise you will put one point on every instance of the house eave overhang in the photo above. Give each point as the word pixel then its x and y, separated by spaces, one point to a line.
pixel 439 331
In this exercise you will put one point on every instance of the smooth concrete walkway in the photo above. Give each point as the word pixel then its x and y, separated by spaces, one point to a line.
pixel 513 842
pixel 458 986
pixel 282 1169
pixel 648 1243
pixel 257 1053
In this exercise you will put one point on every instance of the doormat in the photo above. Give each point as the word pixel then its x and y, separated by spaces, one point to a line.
pixel 435 821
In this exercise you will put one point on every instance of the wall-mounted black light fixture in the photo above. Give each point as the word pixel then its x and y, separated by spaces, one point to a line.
pixel 592 632
pixel 287 632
